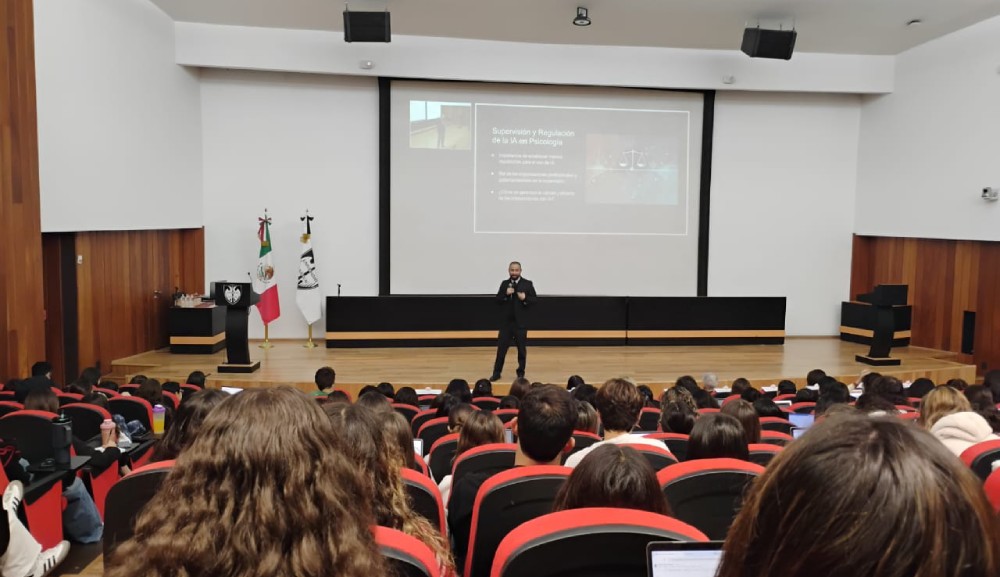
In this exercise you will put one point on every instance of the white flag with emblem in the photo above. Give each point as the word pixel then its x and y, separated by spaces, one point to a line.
pixel 308 296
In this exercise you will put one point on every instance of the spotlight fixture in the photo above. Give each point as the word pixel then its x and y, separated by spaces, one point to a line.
pixel 582 19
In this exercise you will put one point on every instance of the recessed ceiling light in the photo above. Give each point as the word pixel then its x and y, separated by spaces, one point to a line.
pixel 582 19
pixel 915 22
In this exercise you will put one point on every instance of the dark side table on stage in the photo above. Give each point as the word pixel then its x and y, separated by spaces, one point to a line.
pixel 199 330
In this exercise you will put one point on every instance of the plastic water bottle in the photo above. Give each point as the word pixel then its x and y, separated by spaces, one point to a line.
pixel 159 416
pixel 107 430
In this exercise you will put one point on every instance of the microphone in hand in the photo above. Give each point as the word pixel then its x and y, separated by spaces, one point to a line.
pixel 510 287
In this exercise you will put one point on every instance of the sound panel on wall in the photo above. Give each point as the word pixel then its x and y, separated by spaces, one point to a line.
pixel 968 332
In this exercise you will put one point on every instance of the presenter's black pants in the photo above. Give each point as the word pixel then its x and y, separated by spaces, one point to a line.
pixel 511 332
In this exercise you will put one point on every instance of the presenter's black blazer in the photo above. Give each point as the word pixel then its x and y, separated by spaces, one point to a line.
pixel 522 309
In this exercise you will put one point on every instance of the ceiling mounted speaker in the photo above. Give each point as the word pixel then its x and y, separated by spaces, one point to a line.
pixel 366 26
pixel 761 43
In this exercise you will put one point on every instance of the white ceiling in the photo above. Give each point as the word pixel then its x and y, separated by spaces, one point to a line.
pixel 834 26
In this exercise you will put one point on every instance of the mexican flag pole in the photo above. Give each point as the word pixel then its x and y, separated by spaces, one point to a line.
pixel 264 282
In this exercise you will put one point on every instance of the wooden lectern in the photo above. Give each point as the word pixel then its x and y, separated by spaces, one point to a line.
pixel 237 297
pixel 883 299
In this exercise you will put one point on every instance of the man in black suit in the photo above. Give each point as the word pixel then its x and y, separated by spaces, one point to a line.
pixel 515 297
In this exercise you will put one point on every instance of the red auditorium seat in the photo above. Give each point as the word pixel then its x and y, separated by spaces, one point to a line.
pixel 905 409
pixel 486 403
pixel 505 415
pixel 707 493
pixel 407 556
pixel 86 419
pixel 7 395
pixel 441 455
pixel 171 398
pixel 494 457
pixel 187 389
pixel 7 407
pixel 408 411
pixel 42 507
pixel 992 488
pixel 67 398
pixel 504 502
pixel 108 392
pixel 649 419
pixel 912 416
pixel 785 397
pixel 979 457
pixel 582 440
pixel 708 410
pixel 31 432
pixel 431 431
pixel 425 498
pixel 587 543
pixel 126 500
pixel 657 457
pixel 130 389
pixel 420 466
pixel 420 418
pixel 776 424
pixel 730 399
pixel 775 438
pixel 763 453
pixel 806 407
pixel 133 409
pixel 676 442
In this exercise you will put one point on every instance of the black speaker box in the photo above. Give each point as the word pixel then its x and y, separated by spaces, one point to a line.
pixel 762 43
pixel 968 332
pixel 366 26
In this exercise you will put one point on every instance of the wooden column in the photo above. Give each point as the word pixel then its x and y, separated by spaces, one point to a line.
pixel 22 320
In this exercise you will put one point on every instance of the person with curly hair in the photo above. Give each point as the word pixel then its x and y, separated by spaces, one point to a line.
pixel 264 490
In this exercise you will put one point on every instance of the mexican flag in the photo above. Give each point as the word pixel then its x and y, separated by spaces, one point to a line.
pixel 264 282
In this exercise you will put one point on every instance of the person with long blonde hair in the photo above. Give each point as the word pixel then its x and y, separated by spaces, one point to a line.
pixel 263 490
pixel 379 459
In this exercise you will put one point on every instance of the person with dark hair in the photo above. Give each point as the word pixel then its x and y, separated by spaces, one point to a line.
pixel 109 385
pixel 367 389
pixel 806 396
pixel 868 380
pixel 586 418
pixel 137 380
pixel 750 395
pixel 703 400
pixel 574 382
pixel 835 393
pixel 515 298
pixel 834 475
pixel 196 378
pixel 677 417
pixel 482 388
pixel 544 429
pixel 95 398
pixel 172 387
pixel 387 390
pixel 480 428
pixel 991 381
pixel 920 387
pixel 263 453
pixel 889 388
pixel 458 415
pixel 459 388
pixel 151 391
pixel 687 382
pixel 825 383
pixel 337 396
pixel 958 384
pixel 585 393
pixel 619 404
pixel 717 435
pixel 984 405
pixel 374 401
pixel 23 388
pixel 678 395
pixel 509 402
pixel 446 402
pixel 407 396
pixel 325 378
pixel 647 397
pixel 42 369
pixel 766 407
pixel 397 429
pixel 747 416
pixel 814 376
pixel 786 387
pixel 739 385
pixel 520 387
pixel 874 405
pixel 187 422
pixel 613 476
pixel 89 377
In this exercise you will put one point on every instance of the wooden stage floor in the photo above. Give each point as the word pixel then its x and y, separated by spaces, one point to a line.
pixel 288 362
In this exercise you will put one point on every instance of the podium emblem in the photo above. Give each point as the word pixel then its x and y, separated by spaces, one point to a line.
pixel 232 293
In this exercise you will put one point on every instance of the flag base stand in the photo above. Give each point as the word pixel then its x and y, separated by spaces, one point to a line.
pixel 310 344
pixel 267 343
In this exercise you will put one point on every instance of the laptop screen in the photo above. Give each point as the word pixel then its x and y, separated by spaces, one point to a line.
pixel 801 420
pixel 418 446
pixel 683 559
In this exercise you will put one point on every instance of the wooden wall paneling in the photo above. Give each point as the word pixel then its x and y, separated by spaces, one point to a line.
pixel 55 321
pixel 987 353
pixel 861 265
pixel 933 291
pixel 22 329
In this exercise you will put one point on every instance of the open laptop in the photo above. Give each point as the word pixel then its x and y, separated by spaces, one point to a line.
pixel 418 446
pixel 683 559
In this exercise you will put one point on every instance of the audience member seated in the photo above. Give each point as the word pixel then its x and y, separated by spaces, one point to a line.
pixel 23 388
pixel 585 393
pixel 716 436
pixel 187 423
pixel 367 389
pixel 835 393
pixel 813 377
pixel 958 384
pixel 867 380
pixel 613 476
pixel 765 407
pixel 919 388
pixel 647 397
pixel 825 383
pixel 750 395
pixel 619 404
pixel 374 401
pixel 544 429
pixel 574 381
pixel 380 459
pixel 704 400
pixel 20 554
pixel 959 431
pixel 397 429
pixel 739 385
pixel 509 402
pixel 747 416
pixel 992 382
pixel 196 378
pixel 42 369
pixel 172 387
pixel 688 383
pixel 874 405
pixel 586 418
pixel 677 417
pixel 85 384
pixel 942 401
pixel 109 385
pixel 480 428
pixel 459 388
pixel 786 387
pixel 325 378
pixel 137 380
pixel 811 513
pixel 710 382
pixel 678 395
pixel 983 403
pixel 406 396
pixel 339 397
pixel 519 387
pixel 482 388
pixel 387 390
pixel 261 453
pixel 458 415
pixel 890 389
pixel 806 396
pixel 444 404
pixel 152 392
pixel 95 398
pixel 100 458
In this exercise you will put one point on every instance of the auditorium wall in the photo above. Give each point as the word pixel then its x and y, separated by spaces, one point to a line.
pixel 118 120
pixel 928 148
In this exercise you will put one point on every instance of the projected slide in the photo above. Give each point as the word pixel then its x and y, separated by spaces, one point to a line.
pixel 564 170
